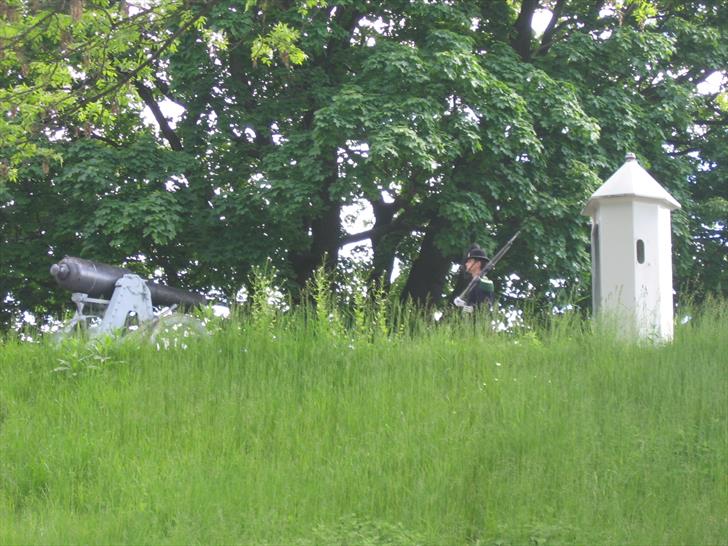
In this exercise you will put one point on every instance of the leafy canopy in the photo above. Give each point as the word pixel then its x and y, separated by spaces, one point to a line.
pixel 451 123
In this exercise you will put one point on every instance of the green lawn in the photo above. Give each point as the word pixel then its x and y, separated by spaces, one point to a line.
pixel 278 430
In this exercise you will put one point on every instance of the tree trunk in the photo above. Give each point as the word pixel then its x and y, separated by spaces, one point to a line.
pixel 384 243
pixel 523 33
pixel 426 280
pixel 325 228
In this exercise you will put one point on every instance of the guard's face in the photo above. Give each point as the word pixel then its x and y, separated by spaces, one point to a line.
pixel 472 266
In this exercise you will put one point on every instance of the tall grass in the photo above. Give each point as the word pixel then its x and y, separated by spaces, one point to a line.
pixel 311 427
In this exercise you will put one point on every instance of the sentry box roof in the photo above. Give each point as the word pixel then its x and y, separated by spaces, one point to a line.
pixel 631 180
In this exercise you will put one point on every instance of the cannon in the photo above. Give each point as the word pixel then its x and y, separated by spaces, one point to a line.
pixel 122 293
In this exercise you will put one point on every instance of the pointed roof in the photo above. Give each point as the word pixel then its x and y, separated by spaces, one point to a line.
pixel 631 180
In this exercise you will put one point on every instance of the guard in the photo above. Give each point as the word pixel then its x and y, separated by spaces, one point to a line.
pixel 480 289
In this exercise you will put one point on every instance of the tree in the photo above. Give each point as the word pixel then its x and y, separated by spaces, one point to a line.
pixel 82 174
pixel 455 123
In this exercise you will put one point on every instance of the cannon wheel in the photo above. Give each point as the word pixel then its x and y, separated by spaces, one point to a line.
pixel 170 330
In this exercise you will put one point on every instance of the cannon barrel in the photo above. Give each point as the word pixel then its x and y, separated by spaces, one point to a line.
pixel 99 280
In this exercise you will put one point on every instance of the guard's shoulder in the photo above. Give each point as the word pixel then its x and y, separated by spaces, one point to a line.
pixel 486 283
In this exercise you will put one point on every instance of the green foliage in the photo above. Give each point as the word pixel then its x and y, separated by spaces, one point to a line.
pixel 265 298
pixel 352 529
pixel 82 356
pixel 452 121
pixel 281 38
pixel 722 101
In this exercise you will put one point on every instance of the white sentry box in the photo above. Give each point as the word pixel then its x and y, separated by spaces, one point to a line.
pixel 632 253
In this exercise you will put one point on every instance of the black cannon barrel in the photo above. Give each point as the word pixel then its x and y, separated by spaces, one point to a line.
pixel 98 281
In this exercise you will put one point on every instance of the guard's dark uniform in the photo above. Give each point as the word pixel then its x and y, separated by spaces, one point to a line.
pixel 481 292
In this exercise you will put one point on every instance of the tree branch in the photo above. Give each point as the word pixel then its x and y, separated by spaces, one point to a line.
pixel 163 88
pixel 521 41
pixel 399 224
pixel 105 139
pixel 547 39
pixel 680 153
pixel 148 98
pixel 129 76
pixel 356 237
pixel 9 44
pixel 693 76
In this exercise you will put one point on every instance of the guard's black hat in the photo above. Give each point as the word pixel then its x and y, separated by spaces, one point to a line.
pixel 476 253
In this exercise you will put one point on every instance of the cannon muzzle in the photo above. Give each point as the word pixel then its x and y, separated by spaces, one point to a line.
pixel 99 280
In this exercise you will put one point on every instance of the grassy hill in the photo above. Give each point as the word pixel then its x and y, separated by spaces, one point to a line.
pixel 285 429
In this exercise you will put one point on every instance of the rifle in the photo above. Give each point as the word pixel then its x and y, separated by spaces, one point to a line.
pixel 460 300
